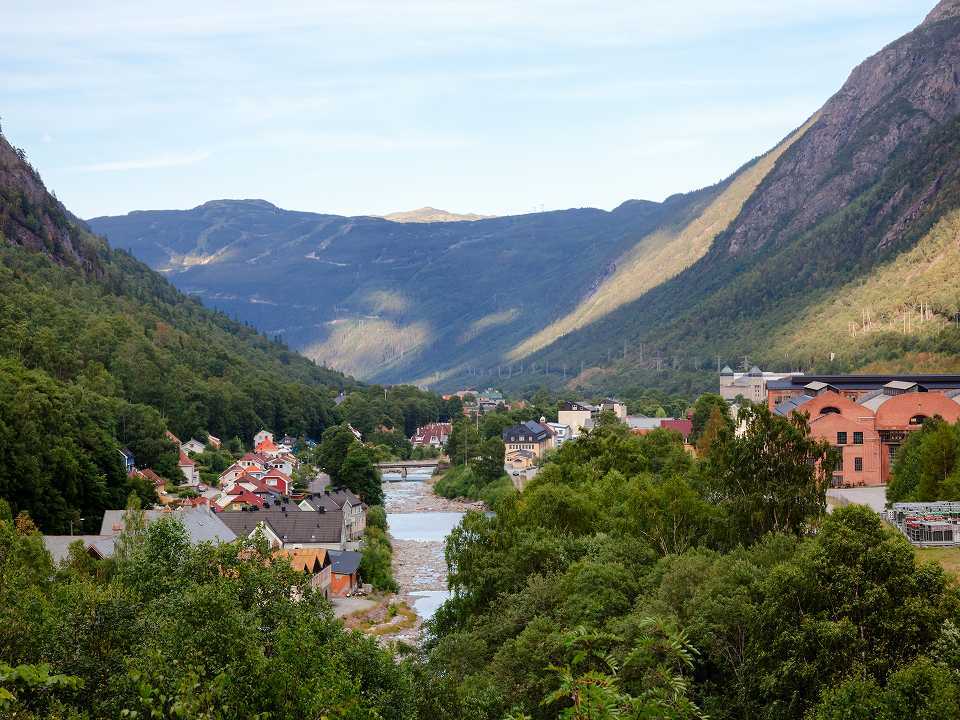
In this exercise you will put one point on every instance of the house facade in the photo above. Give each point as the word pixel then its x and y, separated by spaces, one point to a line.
pixel 578 416
pixel 526 443
pixel 869 430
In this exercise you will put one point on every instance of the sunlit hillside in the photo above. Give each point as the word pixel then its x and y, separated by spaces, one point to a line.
pixel 662 254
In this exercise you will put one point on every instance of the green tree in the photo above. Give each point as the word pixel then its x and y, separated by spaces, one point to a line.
pixel 702 411
pixel 359 474
pixel 332 452
pixel 772 478
pixel 488 465
pixel 463 443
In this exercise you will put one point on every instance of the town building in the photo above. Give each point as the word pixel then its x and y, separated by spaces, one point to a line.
pixel 641 425
pixel 191 474
pixel 193 446
pixel 433 435
pixel 561 433
pixel 262 436
pixel 617 407
pixel 344 572
pixel 578 416
pixel 751 385
pixel 128 460
pixel 315 563
pixel 290 528
pixel 867 421
pixel 856 387
pixel 527 442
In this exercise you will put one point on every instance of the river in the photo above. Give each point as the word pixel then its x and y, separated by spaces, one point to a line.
pixel 419 523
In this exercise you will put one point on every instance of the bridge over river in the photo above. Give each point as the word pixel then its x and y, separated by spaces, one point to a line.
pixel 410 470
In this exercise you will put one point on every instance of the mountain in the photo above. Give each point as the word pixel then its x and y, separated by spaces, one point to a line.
pixel 429 214
pixel 399 301
pixel 818 255
pixel 100 352
pixel 836 260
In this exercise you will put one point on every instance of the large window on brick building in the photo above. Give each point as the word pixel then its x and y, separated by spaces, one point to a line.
pixel 858 438
pixel 841 438
pixel 858 464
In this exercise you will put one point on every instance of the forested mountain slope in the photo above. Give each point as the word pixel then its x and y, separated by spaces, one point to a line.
pixel 102 352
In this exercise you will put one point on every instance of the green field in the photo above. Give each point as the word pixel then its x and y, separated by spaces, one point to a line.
pixel 948 557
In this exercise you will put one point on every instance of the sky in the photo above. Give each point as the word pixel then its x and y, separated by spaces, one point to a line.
pixel 368 106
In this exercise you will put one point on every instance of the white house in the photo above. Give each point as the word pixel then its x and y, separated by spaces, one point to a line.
pixel 193 446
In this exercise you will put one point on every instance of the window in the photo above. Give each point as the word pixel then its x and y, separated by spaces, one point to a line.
pixel 841 438
pixel 858 438
pixel 839 467
pixel 917 419
pixel 858 464
pixel 892 451
pixel 830 410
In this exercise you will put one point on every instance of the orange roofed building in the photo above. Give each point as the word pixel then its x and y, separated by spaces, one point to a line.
pixel 867 425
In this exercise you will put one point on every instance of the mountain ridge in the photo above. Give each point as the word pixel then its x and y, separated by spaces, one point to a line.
pixel 574 291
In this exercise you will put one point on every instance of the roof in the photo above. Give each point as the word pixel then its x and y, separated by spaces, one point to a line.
pixel 344 562
pixel 291 526
pixel 682 426
pixel 641 422
pixel 816 386
pixel 344 495
pixel 59 545
pixel 727 370
pixel 789 405
pixel 755 372
pixel 865 382
pixel 184 460
pixel 170 436
pixel 901 385
pixel 530 429
pixel 309 560
pixel 201 524
pixel 322 500
pixel 576 406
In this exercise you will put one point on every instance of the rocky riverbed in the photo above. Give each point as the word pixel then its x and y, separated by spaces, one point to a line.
pixel 419 523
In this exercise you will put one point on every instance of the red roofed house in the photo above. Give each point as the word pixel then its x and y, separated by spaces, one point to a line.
pixel 231 474
pixel 237 498
pixel 172 438
pixel 252 460
pixel 434 435
pixel 683 426
pixel 189 469
pixel 267 447
pixel 278 481
pixel 149 475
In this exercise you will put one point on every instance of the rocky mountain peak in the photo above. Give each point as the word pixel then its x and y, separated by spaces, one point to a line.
pixel 944 10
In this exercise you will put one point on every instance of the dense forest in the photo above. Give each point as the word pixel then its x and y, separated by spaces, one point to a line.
pixel 631 580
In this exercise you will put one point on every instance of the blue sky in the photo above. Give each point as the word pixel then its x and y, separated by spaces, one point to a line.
pixel 367 107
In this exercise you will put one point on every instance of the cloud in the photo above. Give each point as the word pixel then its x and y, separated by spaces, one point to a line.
pixel 160 161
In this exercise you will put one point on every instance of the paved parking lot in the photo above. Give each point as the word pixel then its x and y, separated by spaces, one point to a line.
pixel 873 497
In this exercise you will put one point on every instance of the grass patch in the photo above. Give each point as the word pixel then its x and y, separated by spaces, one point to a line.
pixel 947 557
